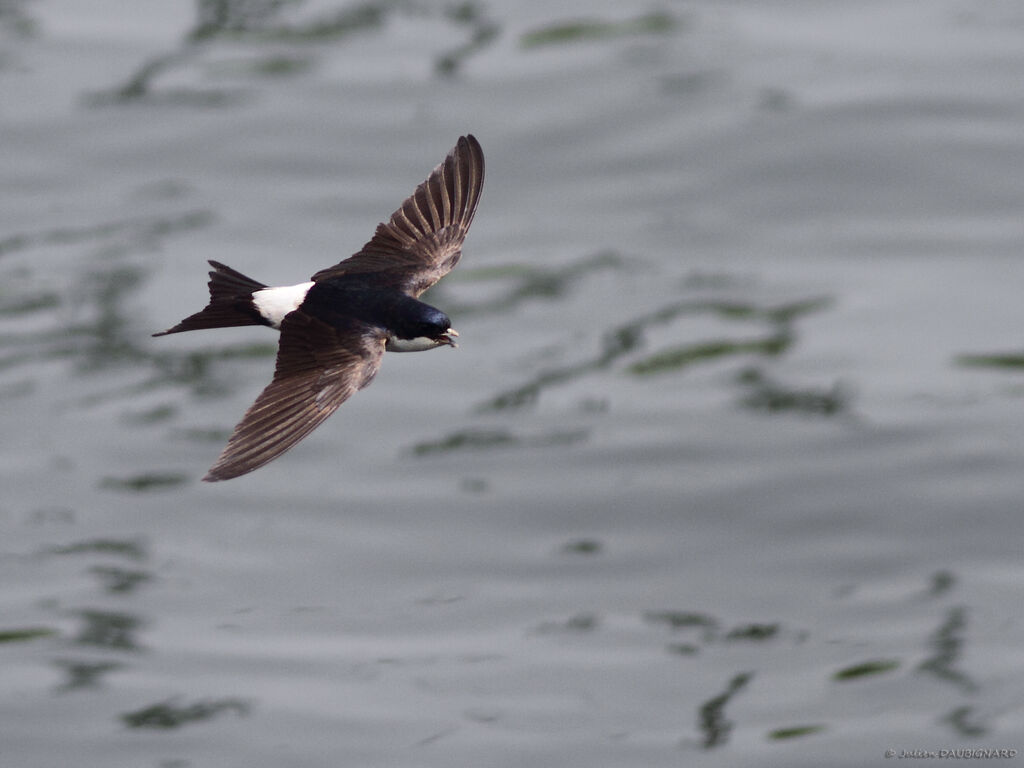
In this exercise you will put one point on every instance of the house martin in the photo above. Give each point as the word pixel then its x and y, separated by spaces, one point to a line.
pixel 336 327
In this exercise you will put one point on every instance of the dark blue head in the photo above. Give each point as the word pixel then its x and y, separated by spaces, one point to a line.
pixel 421 320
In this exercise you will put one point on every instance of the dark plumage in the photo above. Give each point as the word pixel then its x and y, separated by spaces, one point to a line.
pixel 334 329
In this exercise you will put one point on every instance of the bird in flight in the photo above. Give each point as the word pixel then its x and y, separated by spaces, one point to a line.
pixel 336 327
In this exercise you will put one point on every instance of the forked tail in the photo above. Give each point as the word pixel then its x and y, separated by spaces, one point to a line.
pixel 230 303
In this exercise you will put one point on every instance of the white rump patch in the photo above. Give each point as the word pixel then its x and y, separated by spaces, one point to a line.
pixel 274 303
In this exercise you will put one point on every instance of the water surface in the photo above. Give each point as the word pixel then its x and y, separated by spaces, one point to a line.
pixel 725 469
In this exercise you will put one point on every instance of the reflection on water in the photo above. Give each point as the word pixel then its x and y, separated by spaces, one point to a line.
pixel 24 634
pixel 110 632
pixel 521 283
pixel 114 630
pixel 476 439
pixel 582 547
pixel 795 732
pixel 481 29
pixel 966 723
pixel 117 579
pixel 742 478
pixel 684 620
pixel 658 22
pixel 145 481
pixel 708 629
pixel 101 333
pixel 628 338
pixel 171 714
pixel 1005 360
pixel 866 669
pixel 259 24
pixel 581 622
pixel 766 394
pixel 129 548
pixel 15 19
pixel 84 675
pixel 941 583
pixel 713 724
pixel 112 236
pixel 947 646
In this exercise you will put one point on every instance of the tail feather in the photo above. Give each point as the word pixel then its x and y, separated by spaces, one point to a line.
pixel 230 303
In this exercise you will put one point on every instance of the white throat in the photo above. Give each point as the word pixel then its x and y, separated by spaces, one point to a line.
pixel 419 344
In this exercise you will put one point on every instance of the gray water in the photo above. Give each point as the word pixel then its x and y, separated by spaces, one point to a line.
pixel 726 469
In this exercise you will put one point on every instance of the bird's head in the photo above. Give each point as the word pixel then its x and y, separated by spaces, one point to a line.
pixel 425 328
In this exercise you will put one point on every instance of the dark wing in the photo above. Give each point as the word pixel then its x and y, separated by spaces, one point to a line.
pixel 423 239
pixel 318 368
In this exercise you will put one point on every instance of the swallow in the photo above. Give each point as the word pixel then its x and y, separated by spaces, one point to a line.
pixel 335 328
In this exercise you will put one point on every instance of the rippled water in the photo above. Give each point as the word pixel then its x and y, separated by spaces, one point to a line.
pixel 726 468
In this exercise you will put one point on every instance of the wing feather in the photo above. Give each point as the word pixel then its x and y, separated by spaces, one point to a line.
pixel 422 240
pixel 318 368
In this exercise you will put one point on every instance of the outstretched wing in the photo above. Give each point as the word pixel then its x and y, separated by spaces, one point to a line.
pixel 318 368
pixel 423 239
